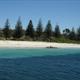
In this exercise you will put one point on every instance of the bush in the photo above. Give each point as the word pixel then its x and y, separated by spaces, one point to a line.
pixel 27 38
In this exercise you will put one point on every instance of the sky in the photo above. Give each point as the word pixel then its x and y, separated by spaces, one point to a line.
pixel 65 13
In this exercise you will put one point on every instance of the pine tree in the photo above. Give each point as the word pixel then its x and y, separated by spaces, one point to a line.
pixel 72 34
pixel 78 33
pixel 57 31
pixel 18 32
pixel 6 29
pixel 48 29
pixel 39 29
pixel 30 29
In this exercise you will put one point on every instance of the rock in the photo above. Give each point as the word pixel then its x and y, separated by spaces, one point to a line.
pixel 51 47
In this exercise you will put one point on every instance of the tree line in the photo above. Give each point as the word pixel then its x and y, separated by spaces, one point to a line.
pixel 39 33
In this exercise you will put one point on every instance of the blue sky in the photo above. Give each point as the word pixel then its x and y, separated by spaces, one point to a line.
pixel 66 13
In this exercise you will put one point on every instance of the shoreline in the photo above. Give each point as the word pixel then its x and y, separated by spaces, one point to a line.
pixel 35 44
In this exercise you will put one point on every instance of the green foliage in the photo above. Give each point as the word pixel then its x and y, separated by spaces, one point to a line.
pixel 66 32
pixel 68 36
pixel 57 31
pixel 6 30
pixel 72 34
pixel 28 38
pixel 62 39
pixel 39 29
pixel 48 30
pixel 1 33
pixel 18 32
pixel 78 33
pixel 30 30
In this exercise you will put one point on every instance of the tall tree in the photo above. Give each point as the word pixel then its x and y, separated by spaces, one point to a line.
pixel 30 29
pixel 6 29
pixel 18 32
pixel 66 32
pixel 39 29
pixel 48 29
pixel 78 33
pixel 57 31
pixel 72 34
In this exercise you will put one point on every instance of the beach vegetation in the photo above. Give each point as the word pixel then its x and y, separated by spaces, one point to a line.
pixel 39 33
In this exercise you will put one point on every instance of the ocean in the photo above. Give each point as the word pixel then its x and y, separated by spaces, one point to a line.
pixel 39 64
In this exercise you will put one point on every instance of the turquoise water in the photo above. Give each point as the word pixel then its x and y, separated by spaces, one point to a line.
pixel 17 53
pixel 39 64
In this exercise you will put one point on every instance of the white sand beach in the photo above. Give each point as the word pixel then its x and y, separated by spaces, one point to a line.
pixel 34 44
